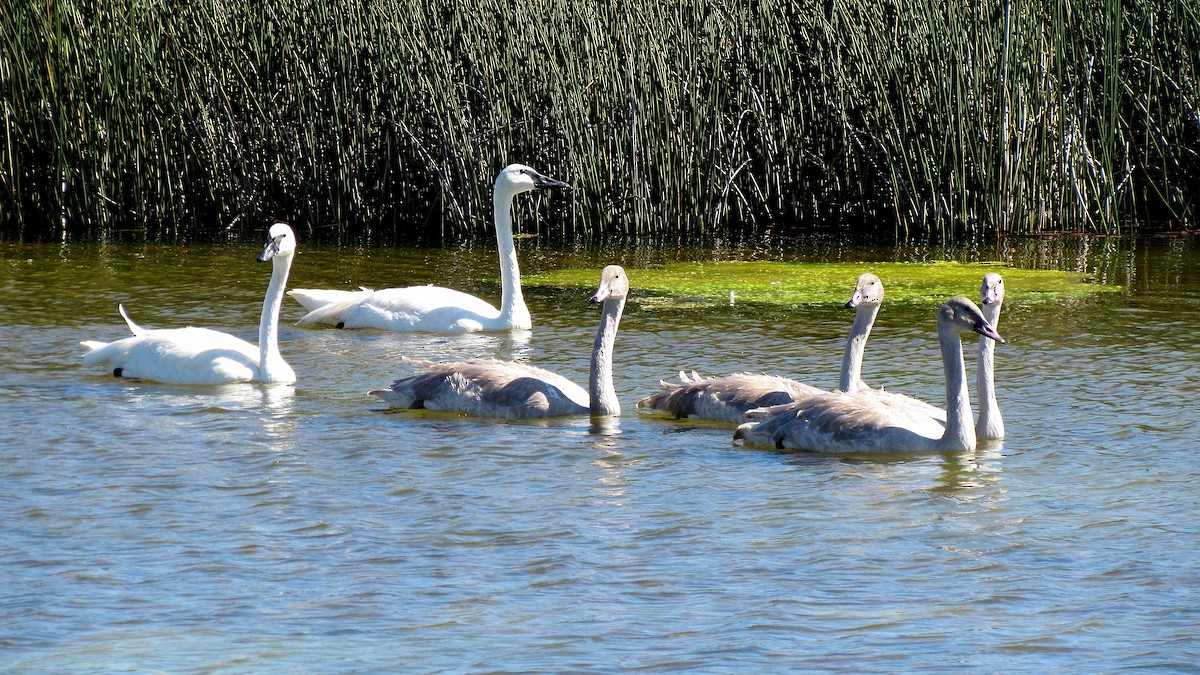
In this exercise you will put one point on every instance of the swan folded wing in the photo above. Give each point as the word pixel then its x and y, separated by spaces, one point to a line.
pixel 178 356
pixel 326 306
pixel 315 298
pixel 413 308
pixel 838 422
pixel 488 388
pixel 726 399
pixel 905 405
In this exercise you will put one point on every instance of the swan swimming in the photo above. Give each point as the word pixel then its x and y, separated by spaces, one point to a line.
pixel 205 356
pixel 511 390
pixel 853 422
pixel 433 308
pixel 990 425
pixel 726 399
pixel 869 293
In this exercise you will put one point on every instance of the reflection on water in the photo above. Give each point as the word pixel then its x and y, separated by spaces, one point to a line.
pixel 305 527
pixel 969 475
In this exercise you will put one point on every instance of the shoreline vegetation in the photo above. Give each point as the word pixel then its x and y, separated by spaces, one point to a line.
pixel 387 121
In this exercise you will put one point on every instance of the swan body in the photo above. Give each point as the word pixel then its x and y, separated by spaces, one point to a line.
pixel 203 355
pixel 510 390
pixel 727 399
pixel 854 422
pixel 990 425
pixel 433 308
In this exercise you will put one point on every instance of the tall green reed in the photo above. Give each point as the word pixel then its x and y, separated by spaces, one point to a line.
pixel 388 118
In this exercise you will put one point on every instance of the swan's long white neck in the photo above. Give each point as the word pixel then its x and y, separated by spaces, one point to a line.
pixel 990 424
pixel 270 362
pixel 601 392
pixel 512 303
pixel 960 432
pixel 856 344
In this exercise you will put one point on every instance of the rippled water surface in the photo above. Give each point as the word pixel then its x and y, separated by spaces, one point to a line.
pixel 304 529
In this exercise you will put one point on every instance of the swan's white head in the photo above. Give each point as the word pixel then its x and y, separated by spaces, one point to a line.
pixel 518 178
pixel 281 242
pixel 868 291
pixel 992 291
pixel 966 317
pixel 614 284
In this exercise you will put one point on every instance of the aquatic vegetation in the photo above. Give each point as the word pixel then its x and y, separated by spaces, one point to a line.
pixel 387 119
pixel 788 283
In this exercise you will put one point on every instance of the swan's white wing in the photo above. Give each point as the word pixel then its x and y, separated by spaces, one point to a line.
pixel 178 356
pixel 489 388
pixel 726 399
pixel 431 308
pixel 326 306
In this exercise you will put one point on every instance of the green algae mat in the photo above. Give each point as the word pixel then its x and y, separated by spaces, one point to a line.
pixel 789 283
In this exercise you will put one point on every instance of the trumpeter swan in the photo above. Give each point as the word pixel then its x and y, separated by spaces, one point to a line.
pixel 205 356
pixel 990 425
pixel 433 308
pixel 726 399
pixel 853 422
pixel 511 390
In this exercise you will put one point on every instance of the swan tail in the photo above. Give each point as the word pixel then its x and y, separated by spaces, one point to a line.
pixel 133 327
pixel 99 353
pixel 413 391
pixel 754 435
pixel 330 314
pixel 740 432
pixel 93 346
pixel 677 401
pixel 402 397
pixel 326 306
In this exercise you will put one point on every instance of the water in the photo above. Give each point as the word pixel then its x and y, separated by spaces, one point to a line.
pixel 246 528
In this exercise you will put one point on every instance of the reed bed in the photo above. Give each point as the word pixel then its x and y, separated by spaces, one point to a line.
pixel 387 119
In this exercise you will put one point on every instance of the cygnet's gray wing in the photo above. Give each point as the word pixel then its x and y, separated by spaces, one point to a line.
pixel 839 422
pixel 488 388
pixel 726 399
pixel 901 404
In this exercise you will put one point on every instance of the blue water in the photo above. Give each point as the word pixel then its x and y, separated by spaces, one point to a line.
pixel 305 529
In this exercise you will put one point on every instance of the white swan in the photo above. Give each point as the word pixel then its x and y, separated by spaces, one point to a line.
pixel 432 308
pixel 201 355
pixel 511 390
pixel 853 422
pixel 990 425
pixel 726 399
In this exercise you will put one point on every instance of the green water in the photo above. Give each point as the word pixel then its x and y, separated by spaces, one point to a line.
pixel 305 528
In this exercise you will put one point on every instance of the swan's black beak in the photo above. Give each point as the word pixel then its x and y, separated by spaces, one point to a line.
pixel 271 249
pixel 544 182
